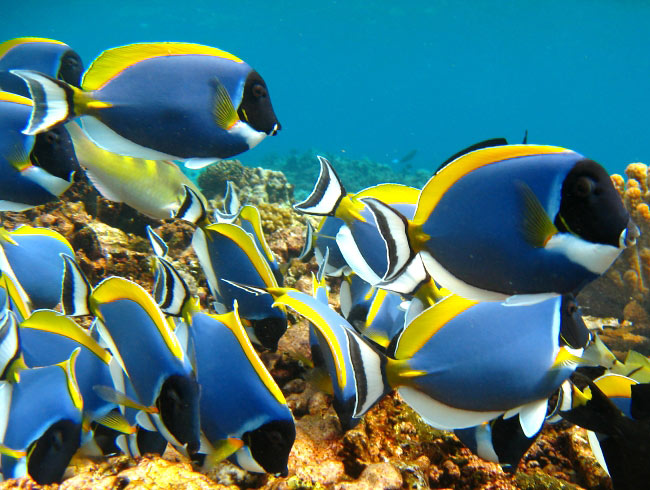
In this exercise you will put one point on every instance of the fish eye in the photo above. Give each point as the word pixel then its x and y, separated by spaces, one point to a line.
pixel 584 186
pixel 52 137
pixel 572 308
pixel 259 90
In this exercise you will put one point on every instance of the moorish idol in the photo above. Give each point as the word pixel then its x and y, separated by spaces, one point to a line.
pixel 511 220
pixel 41 426
pixel 357 235
pixel 224 104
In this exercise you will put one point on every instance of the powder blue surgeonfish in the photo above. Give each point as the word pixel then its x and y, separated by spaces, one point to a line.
pixel 41 426
pixel 231 261
pixel 163 101
pixel 34 169
pixel 461 363
pixel 239 398
pixel 48 337
pixel 31 258
pixel 144 343
pixel 511 220
pixel 48 56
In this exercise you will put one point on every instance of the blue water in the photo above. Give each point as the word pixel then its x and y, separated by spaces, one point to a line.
pixel 380 81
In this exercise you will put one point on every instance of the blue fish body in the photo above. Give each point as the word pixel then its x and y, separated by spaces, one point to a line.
pixel 36 263
pixel 462 227
pixel 354 365
pixel 519 220
pixel 135 329
pixel 43 348
pixel 145 113
pixel 42 408
pixel 229 256
pixel 147 367
pixel 47 56
pixel 135 96
pixel 471 366
pixel 238 396
pixel 16 188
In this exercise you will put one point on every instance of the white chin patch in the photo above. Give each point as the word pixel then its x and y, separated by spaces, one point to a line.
pixel 595 257
pixel 243 130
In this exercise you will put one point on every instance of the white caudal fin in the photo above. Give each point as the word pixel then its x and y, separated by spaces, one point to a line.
pixel 52 101
pixel 192 209
pixel 393 227
pixel 158 245
pixel 327 193
pixel 76 289
pixel 170 290
pixel 308 247
pixel 231 206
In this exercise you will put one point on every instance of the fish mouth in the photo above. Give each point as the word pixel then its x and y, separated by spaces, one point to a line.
pixel 629 235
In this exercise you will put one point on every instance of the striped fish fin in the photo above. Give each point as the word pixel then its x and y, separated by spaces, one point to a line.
pixel 76 289
pixel 170 290
pixel 308 247
pixel 393 227
pixel 192 209
pixel 53 101
pixel 158 245
pixel 327 193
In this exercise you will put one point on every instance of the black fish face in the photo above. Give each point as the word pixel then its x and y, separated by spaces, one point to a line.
pixel 271 444
pixel 269 330
pixel 590 206
pixel 178 404
pixel 50 455
pixel 573 331
pixel 71 68
pixel 255 108
pixel 53 151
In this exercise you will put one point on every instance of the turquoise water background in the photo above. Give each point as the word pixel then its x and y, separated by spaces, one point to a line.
pixel 379 79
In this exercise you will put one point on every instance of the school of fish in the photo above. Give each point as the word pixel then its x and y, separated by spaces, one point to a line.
pixel 460 296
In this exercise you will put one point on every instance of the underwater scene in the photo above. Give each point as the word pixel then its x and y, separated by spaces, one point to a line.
pixel 295 245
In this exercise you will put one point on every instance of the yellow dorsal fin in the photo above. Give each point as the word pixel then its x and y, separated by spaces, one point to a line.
pixel 112 62
pixel 252 215
pixel 451 173
pixel 391 193
pixel 116 288
pixel 427 323
pixel 57 323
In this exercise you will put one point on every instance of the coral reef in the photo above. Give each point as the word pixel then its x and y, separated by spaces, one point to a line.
pixel 622 292
pixel 253 185
pixel 356 174
pixel 391 447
